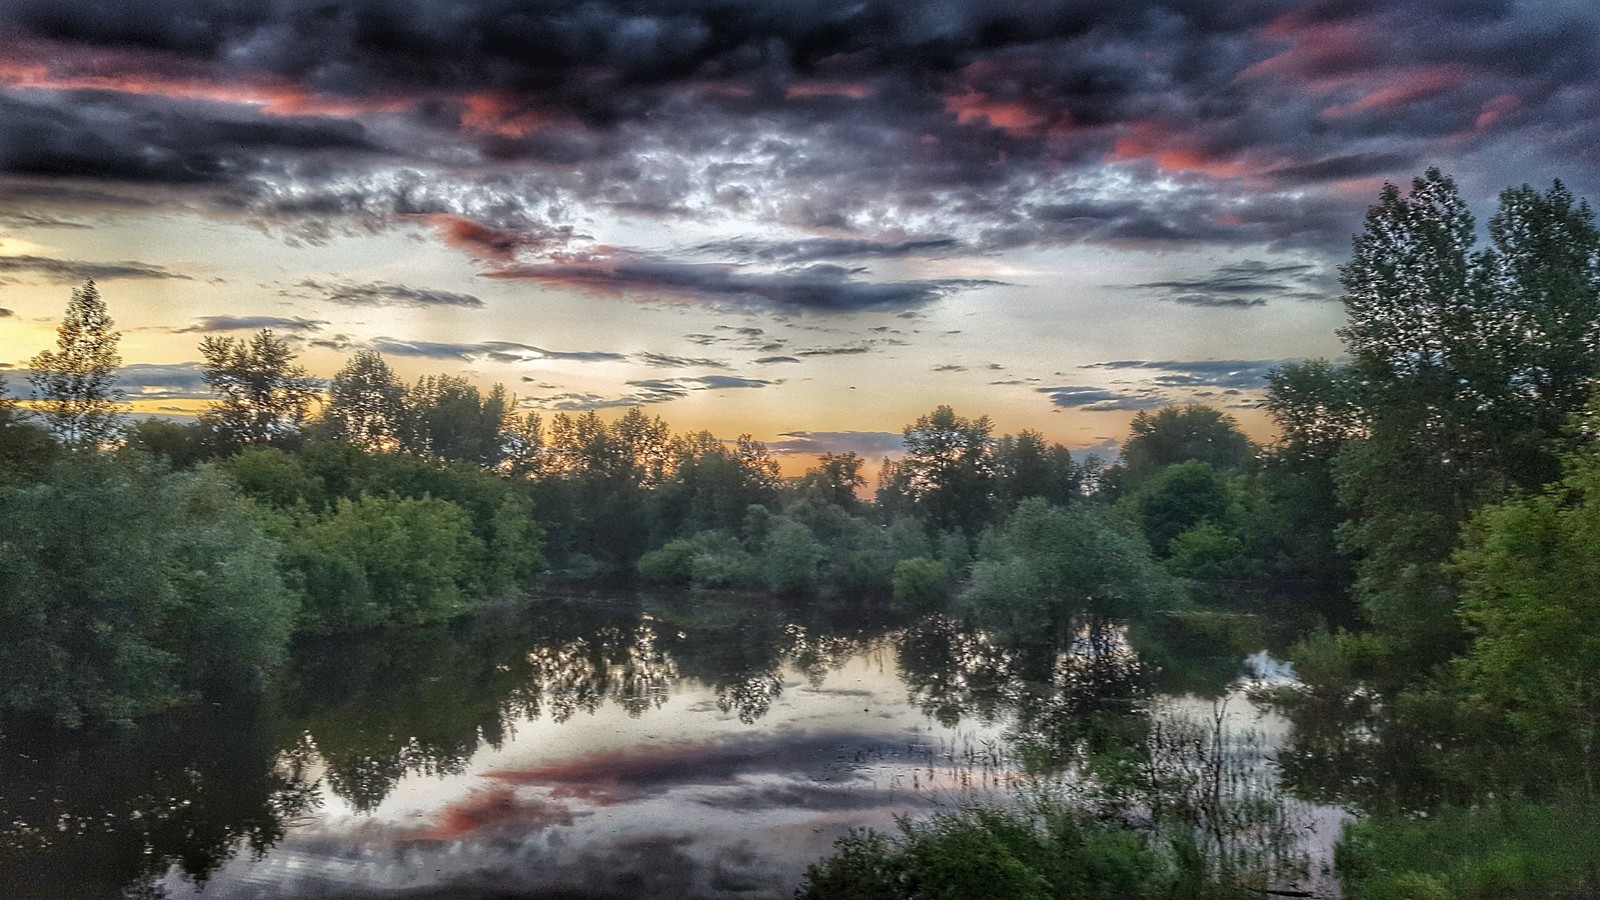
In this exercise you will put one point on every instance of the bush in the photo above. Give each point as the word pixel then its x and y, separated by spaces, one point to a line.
pixel 125 589
pixel 921 586
pixel 418 558
pixel 986 852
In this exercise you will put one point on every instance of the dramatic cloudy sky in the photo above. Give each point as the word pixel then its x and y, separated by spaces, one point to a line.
pixel 810 220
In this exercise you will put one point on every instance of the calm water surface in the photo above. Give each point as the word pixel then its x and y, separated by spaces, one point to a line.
pixel 667 747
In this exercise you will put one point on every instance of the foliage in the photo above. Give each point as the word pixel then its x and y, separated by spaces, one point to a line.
pixel 1180 497
pixel 1531 595
pixel 75 384
pixel 414 556
pixel 1504 850
pixel 791 559
pixel 366 404
pixel 1178 434
pixel 26 450
pixel 921 586
pixel 446 417
pixel 1047 851
pixel 263 396
pixel 947 469
pixel 1051 565
pixel 123 589
pixel 707 559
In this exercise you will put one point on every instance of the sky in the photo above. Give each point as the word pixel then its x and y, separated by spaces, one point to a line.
pixel 811 221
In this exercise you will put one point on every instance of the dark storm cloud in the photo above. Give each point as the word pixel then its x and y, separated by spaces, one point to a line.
pixel 67 271
pixel 206 324
pixel 382 293
pixel 6 314
pixel 1248 283
pixel 820 287
pixel 989 124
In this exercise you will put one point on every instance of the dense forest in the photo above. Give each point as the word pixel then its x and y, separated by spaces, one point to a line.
pixel 1423 531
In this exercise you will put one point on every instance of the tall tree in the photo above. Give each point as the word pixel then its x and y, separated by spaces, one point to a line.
pixel 366 403
pixel 449 418
pixel 1177 434
pixel 948 468
pixel 75 383
pixel 263 395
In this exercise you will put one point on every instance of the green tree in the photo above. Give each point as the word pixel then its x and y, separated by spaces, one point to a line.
pixel 366 403
pixel 75 384
pixel 1531 597
pixel 1052 567
pixel 26 450
pixel 124 590
pixel 836 478
pixel 418 558
pixel 1177 434
pixel 947 469
pixel 449 418
pixel 263 396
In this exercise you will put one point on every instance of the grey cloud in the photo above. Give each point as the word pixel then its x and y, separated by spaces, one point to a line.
pixel 251 323
pixel 821 287
pixel 66 271
pixel 1237 374
pixel 382 293
pixel 170 381
pixel 1095 399
pixel 500 351
pixel 6 313
pixel 865 443
pixel 817 249
pixel 647 391
pixel 1246 284
pixel 772 360
pixel 665 361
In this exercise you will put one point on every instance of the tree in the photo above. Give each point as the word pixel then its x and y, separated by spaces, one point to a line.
pixel 264 396
pixel 75 383
pixel 1531 596
pixel 366 403
pixel 1177 434
pixel 26 450
pixel 948 470
pixel 449 418
pixel 1051 567
pixel 123 589
pixel 835 478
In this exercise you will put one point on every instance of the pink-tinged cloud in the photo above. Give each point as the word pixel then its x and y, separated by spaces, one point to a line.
pixel 497 113
pixel 39 65
pixel 1317 50
pixel 1178 153
pixel 1010 95
pixel 808 90
pixel 1495 110
pixel 1401 88
pixel 493 244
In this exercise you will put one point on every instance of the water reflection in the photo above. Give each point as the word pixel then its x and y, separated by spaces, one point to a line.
pixel 728 739
pixel 87 815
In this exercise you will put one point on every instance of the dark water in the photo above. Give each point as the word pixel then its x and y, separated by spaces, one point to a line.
pixel 668 747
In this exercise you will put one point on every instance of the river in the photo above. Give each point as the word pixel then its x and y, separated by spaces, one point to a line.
pixel 664 746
